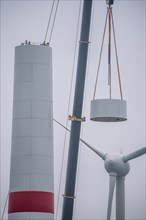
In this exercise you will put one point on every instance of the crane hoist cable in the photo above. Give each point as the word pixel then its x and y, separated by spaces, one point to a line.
pixel 49 21
pixel 53 22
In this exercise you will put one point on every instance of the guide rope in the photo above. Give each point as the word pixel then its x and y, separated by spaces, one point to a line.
pixel 5 205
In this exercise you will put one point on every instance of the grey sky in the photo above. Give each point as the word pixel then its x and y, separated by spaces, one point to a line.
pixel 27 20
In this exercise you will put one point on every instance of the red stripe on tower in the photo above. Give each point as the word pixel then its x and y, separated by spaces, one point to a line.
pixel 31 202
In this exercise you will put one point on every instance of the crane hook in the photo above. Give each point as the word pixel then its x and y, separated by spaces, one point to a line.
pixel 109 2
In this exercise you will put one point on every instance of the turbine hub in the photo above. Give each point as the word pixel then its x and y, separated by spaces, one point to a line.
pixel 114 164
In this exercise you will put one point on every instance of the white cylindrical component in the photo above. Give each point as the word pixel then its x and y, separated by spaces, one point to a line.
pixel 108 110
pixel 31 174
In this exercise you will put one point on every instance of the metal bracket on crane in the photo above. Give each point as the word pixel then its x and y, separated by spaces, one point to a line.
pixel 109 2
pixel 74 118
pixel 68 197
pixel 84 42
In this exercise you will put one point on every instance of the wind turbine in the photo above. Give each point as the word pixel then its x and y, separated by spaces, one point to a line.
pixel 117 165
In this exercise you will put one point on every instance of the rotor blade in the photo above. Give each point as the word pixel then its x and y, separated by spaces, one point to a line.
pixel 120 198
pixel 134 154
pixel 99 152
pixel 111 192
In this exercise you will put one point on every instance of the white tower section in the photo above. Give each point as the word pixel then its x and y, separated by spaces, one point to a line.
pixel 31 174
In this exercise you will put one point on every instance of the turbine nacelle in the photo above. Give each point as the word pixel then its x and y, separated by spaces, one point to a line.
pixel 114 163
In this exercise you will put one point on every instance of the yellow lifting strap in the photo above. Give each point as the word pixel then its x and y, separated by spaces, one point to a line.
pixel 74 118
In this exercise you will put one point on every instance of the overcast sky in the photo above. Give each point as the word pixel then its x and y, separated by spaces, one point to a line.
pixel 27 20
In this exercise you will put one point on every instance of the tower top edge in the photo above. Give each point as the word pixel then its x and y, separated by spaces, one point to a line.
pixel 29 43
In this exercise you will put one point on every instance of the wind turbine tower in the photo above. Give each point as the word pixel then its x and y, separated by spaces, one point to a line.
pixel 31 194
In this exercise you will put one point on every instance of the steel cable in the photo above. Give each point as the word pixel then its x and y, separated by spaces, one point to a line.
pixel 49 21
pixel 53 22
